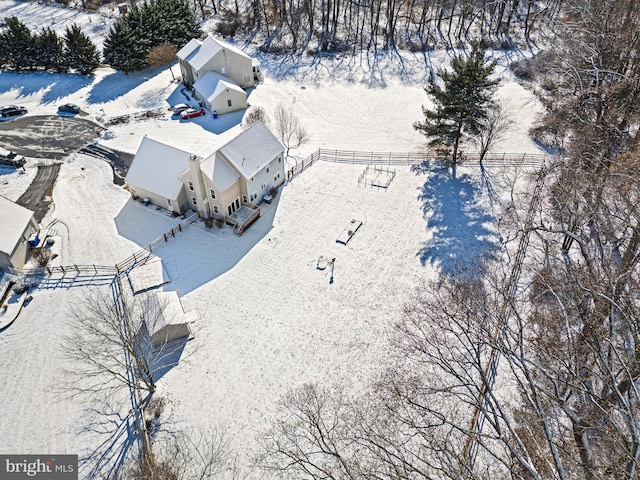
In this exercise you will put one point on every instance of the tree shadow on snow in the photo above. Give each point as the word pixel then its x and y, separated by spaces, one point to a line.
pixel 456 219
pixel 55 85
pixel 118 84
pixel 359 66
pixel 117 433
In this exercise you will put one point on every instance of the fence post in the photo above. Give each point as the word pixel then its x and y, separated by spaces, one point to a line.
pixel 180 226
pixel 165 236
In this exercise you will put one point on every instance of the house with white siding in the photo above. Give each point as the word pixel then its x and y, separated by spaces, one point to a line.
pixel 236 176
pixel 218 72
pixel 18 224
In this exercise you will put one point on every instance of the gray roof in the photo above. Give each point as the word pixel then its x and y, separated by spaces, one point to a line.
pixel 213 84
pixel 188 49
pixel 158 168
pixel 250 151
pixel 13 222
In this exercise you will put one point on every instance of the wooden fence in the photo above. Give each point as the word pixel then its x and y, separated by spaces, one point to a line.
pixel 416 158
pixel 65 270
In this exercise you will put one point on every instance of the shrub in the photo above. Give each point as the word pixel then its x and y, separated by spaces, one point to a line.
pixel 41 256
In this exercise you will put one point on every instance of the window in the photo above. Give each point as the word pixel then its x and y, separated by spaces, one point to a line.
pixel 229 103
pixel 279 159
pixel 215 209
pixel 254 195
pixel 267 169
pixel 193 199
pixel 237 203
pixel 191 187
pixel 213 194
pixel 229 210
pixel 244 199
pixel 262 186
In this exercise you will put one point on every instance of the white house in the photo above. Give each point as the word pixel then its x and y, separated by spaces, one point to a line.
pixel 198 57
pixel 17 226
pixel 240 173
pixel 220 94
pixel 219 73
pixel 156 174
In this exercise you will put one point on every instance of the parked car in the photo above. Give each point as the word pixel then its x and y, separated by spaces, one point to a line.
pixel 179 108
pixel 69 108
pixel 191 113
pixel 12 111
pixel 10 158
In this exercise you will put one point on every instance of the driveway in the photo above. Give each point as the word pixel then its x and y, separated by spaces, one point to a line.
pixel 54 137
pixel 48 136
pixel 38 196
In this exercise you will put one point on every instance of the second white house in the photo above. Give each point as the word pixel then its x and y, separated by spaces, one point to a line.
pixel 240 173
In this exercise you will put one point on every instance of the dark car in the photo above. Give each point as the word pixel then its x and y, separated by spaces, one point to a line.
pixel 12 111
pixel 69 108
pixel 7 157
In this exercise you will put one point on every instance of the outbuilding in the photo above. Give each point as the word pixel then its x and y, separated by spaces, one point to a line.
pixel 17 226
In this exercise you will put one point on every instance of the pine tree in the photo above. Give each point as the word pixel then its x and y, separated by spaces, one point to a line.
pixel 18 45
pixel 49 51
pixel 123 50
pixel 81 53
pixel 146 26
pixel 460 106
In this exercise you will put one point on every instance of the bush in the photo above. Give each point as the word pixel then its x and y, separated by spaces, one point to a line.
pixel 41 255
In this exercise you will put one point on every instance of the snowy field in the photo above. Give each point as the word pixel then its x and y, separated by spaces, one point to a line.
pixel 269 318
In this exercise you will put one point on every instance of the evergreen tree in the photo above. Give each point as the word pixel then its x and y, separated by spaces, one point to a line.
pixel 146 26
pixel 80 52
pixel 462 104
pixel 49 51
pixel 17 45
pixel 123 49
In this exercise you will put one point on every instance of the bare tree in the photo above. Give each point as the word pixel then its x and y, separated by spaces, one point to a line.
pixel 187 455
pixel 289 129
pixel 309 439
pixel 254 115
pixel 496 126
pixel 111 346
pixel 163 54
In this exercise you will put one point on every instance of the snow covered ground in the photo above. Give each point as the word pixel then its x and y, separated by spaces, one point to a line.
pixel 269 318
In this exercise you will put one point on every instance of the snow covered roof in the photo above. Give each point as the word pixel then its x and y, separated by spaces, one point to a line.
pixel 208 49
pixel 197 53
pixel 188 49
pixel 13 222
pixel 250 151
pixel 213 84
pixel 167 320
pixel 219 171
pixel 158 167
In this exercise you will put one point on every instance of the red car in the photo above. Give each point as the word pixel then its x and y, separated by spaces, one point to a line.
pixel 191 113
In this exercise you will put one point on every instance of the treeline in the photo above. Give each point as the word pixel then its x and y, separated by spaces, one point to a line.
pixel 20 49
pixel 149 33
pixel 334 25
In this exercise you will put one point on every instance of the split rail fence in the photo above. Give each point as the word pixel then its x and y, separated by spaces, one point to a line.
pixel 415 158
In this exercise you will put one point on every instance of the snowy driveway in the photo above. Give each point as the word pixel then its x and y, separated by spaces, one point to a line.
pixel 47 136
